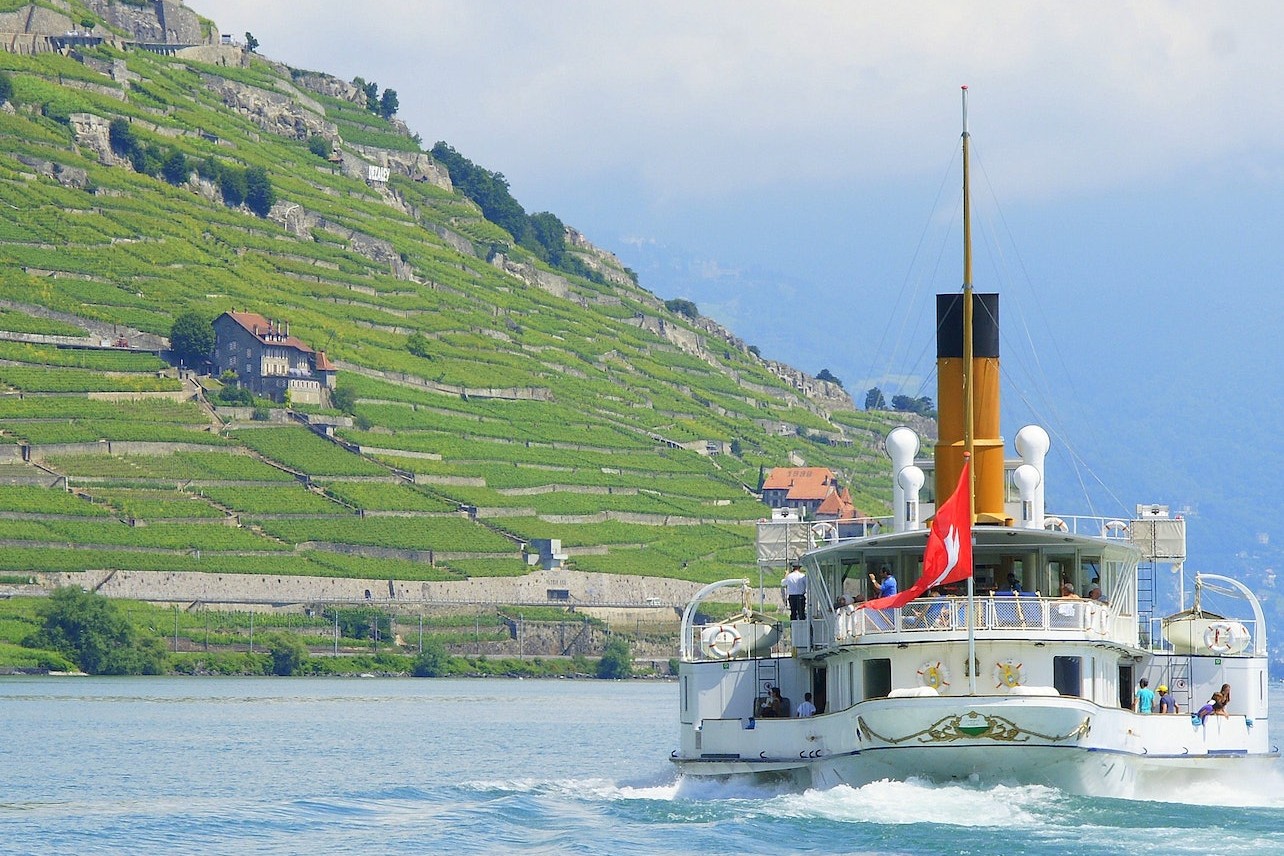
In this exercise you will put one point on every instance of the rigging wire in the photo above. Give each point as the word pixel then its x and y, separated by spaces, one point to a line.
pixel 909 295
pixel 1035 373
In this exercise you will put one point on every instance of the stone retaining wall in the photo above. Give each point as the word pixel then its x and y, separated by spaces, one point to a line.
pixel 582 589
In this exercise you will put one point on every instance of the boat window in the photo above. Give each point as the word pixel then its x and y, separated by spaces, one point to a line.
pixel 1118 583
pixel 1125 686
pixel 878 678
pixel 1059 568
pixel 1089 570
pixel 1067 675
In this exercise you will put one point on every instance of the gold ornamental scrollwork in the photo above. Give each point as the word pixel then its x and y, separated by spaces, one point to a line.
pixel 976 726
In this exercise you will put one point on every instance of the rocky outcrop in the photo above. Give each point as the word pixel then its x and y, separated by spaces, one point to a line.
pixel 324 84
pixel 554 284
pixel 299 221
pixel 160 21
pixel 598 260
pixel 687 340
pixel 288 115
pixel 67 176
pixel 417 166
pixel 93 133
pixel 823 392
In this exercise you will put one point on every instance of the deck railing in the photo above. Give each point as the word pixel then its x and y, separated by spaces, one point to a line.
pixel 998 612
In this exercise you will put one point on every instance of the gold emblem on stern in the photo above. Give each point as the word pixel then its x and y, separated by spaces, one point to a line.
pixel 976 726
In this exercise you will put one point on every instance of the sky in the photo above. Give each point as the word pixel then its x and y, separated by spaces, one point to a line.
pixel 793 168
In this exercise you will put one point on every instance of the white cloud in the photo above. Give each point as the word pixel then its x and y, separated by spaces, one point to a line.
pixel 722 96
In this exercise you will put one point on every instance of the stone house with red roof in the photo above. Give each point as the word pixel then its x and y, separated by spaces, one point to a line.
pixel 270 362
pixel 814 491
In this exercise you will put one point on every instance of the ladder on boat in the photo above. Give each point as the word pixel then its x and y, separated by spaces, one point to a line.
pixel 1146 602
pixel 767 675
pixel 1179 684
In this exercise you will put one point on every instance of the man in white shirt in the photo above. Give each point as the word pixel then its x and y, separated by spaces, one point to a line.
pixel 794 589
pixel 805 709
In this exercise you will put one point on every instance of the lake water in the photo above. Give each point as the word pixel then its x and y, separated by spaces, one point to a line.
pixel 307 766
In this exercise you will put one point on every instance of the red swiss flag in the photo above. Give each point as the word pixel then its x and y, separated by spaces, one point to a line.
pixel 948 557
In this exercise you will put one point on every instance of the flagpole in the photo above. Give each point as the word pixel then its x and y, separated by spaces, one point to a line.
pixel 971 600
pixel 968 414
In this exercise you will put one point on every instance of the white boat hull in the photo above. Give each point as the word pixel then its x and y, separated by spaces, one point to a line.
pixel 1067 743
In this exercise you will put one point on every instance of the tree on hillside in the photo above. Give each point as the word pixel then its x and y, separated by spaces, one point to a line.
pixel 259 194
pixel 319 146
pixel 289 654
pixel 251 43
pixel 488 189
pixel 388 104
pixel 874 399
pixel 417 344
pixel 371 91
pixel 231 183
pixel 120 135
pixel 191 338
pixel 905 404
pixel 90 630
pixel 681 306
pixel 6 88
pixel 344 397
pixel 826 374
pixel 617 660
pixel 548 235
pixel 175 169
pixel 433 661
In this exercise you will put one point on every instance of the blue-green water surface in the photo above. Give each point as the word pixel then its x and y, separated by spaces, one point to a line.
pixel 307 766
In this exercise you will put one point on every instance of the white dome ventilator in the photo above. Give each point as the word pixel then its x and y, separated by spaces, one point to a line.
pixel 902 445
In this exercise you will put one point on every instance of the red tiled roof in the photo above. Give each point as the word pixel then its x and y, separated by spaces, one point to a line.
pixel 838 505
pixel 803 483
pixel 261 328
pixel 274 334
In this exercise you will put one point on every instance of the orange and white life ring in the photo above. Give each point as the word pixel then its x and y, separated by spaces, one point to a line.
pixel 934 675
pixel 1009 673
pixel 720 641
pixel 1055 523
pixel 1226 637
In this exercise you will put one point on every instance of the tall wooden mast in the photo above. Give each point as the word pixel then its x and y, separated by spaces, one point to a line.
pixel 967 371
pixel 969 399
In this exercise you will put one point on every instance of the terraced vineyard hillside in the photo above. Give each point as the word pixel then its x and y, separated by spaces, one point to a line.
pixel 489 397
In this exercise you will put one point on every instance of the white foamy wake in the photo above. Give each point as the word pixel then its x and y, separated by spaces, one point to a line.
pixel 1258 786
pixel 914 802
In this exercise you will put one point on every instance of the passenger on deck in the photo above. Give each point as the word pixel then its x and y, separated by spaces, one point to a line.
pixel 793 588
pixel 1095 594
pixel 1143 700
pixel 1215 706
pixel 1067 591
pixel 805 709
pixel 936 614
pixel 774 706
pixel 1166 702
pixel 887 583
pixel 843 614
